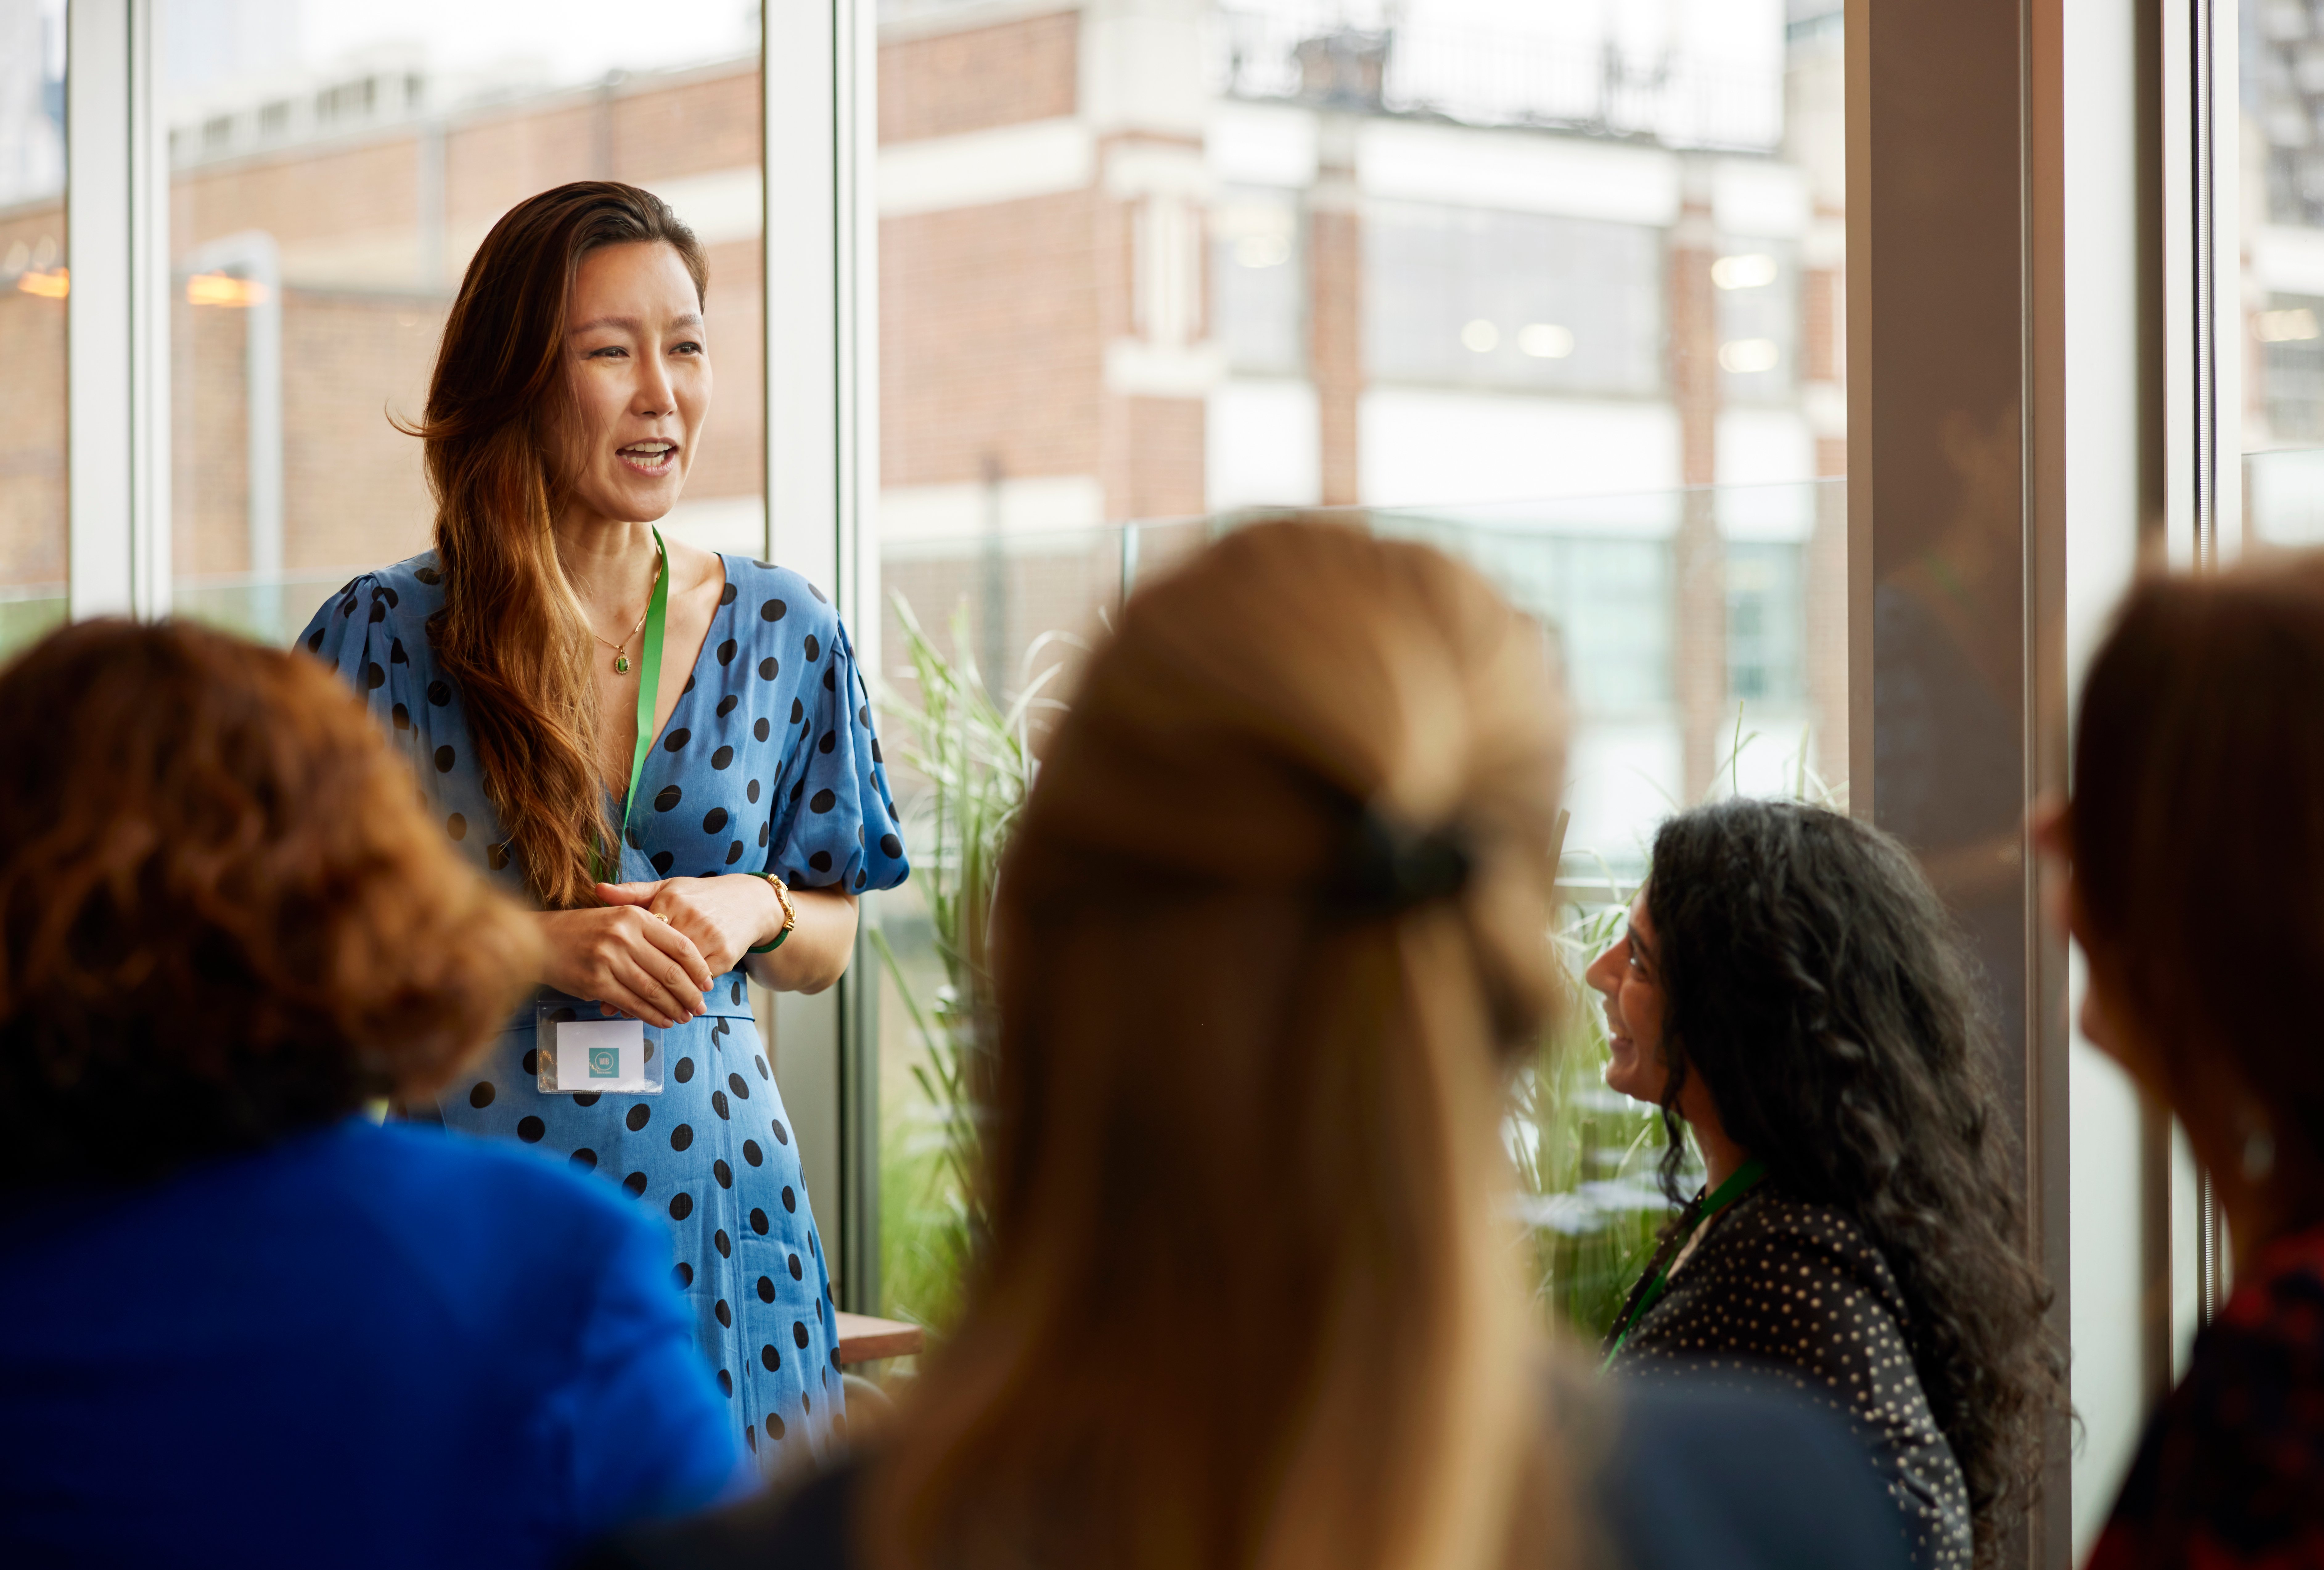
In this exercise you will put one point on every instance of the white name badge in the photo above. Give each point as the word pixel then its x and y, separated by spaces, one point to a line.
pixel 581 1056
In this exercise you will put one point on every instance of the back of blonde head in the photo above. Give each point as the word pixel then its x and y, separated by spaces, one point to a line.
pixel 1250 1301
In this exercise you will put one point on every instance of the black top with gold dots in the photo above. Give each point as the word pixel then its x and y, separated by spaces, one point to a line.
pixel 1784 1290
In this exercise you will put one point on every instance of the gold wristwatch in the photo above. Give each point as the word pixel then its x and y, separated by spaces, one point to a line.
pixel 790 914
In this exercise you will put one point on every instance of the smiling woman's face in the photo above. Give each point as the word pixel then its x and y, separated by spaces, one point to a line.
pixel 638 368
pixel 1625 975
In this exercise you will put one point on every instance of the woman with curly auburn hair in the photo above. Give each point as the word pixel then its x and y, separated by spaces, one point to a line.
pixel 1791 989
pixel 244 1323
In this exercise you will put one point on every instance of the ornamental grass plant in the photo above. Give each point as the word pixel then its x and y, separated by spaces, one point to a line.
pixel 974 764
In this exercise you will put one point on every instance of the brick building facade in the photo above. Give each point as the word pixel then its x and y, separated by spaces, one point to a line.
pixel 1137 261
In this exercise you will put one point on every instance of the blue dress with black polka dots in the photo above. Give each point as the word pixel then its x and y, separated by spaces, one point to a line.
pixel 768 763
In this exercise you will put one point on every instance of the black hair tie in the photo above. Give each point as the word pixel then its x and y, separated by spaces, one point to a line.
pixel 1385 868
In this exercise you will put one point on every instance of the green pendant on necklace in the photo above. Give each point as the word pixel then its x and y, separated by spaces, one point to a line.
pixel 621 650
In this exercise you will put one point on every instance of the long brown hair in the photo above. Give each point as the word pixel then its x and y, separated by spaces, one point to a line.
pixel 1247 1301
pixel 2197 838
pixel 223 914
pixel 510 634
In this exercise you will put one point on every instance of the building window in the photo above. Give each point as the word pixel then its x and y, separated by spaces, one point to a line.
pixel 1765 624
pixel 2291 332
pixel 1258 273
pixel 1469 296
pixel 1759 288
pixel 1607 601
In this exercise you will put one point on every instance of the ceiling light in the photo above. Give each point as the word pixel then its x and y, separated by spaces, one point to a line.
pixel 1748 271
pixel 1262 250
pixel 2295 325
pixel 1545 340
pixel 223 288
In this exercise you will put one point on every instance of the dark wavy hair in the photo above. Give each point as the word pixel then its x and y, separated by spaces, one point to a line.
pixel 224 915
pixel 1815 984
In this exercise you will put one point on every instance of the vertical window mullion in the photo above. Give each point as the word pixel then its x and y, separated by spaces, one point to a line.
pixel 822 467
pixel 116 209
pixel 149 315
pixel 98 443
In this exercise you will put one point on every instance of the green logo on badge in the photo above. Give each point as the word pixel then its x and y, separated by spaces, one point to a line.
pixel 605 1062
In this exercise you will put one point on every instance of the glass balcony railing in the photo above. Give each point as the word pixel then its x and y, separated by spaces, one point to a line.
pixel 1679 614
pixel 27 612
pixel 2284 496
pixel 272 610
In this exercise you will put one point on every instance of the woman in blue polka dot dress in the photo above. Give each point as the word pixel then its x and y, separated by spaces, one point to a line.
pixel 518 663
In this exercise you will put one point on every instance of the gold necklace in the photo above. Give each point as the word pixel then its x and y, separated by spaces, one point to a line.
pixel 620 650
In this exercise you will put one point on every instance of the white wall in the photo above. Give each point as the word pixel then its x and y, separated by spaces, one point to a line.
pixel 1421 446
pixel 1262 444
pixel 1568 176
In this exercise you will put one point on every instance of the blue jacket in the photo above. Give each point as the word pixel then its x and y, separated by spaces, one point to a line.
pixel 362 1345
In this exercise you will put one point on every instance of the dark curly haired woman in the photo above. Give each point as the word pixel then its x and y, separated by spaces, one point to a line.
pixel 1791 989
pixel 244 1323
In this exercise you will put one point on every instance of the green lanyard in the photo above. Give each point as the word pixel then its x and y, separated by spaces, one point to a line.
pixel 1738 1183
pixel 649 687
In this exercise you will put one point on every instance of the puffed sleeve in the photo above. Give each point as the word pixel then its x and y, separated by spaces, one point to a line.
pixel 356 632
pixel 835 823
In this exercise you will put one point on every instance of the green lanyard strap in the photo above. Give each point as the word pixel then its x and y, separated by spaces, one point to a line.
pixel 649 687
pixel 1738 1183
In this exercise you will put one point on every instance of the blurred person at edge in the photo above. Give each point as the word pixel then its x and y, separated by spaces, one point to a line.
pixel 1790 990
pixel 1271 937
pixel 244 1324
pixel 577 691
pixel 2196 839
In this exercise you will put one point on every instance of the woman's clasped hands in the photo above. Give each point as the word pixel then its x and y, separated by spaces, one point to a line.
pixel 723 917
pixel 651 950
pixel 628 959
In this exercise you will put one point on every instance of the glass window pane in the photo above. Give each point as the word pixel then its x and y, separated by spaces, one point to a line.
pixel 1470 297
pixel 1758 296
pixel 1556 287
pixel 33 288
pixel 1255 262
pixel 2282 347
pixel 333 168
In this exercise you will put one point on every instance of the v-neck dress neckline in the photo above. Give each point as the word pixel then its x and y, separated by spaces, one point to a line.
pixel 720 612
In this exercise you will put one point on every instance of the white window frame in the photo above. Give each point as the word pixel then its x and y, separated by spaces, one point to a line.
pixel 117 312
pixel 822 484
